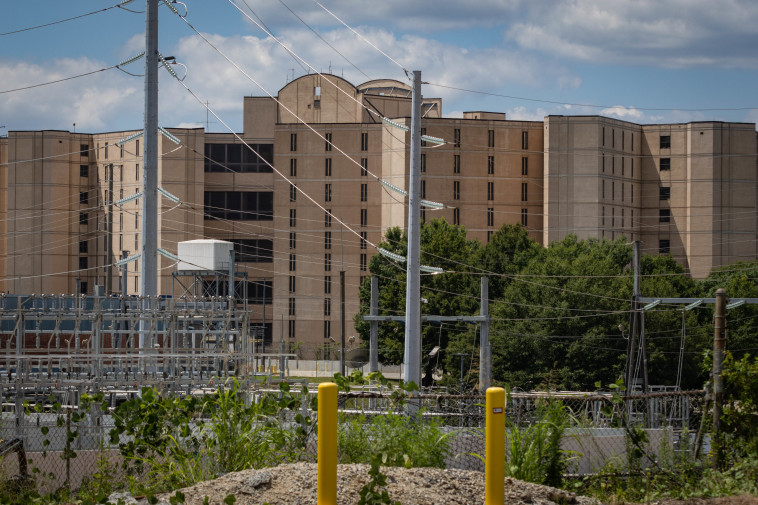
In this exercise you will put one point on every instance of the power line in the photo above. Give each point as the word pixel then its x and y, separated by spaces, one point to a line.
pixel 554 102
pixel 120 5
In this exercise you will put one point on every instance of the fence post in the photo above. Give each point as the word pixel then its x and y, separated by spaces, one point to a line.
pixel 326 488
pixel 494 462
pixel 719 343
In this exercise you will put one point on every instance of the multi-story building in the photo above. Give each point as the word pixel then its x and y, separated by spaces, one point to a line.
pixel 306 202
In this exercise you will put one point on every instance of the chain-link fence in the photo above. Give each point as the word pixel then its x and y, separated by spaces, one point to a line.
pixel 601 432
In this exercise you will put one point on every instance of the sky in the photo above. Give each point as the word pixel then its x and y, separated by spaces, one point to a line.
pixel 645 61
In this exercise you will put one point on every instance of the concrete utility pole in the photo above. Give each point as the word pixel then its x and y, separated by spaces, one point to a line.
pixel 110 258
pixel 719 344
pixel 149 246
pixel 374 338
pixel 635 322
pixel 412 350
pixel 342 323
pixel 485 349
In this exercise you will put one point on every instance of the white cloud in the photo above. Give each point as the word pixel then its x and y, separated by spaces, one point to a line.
pixel 621 112
pixel 92 102
pixel 675 33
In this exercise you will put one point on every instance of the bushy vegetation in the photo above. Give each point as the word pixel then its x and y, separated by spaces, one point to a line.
pixel 560 313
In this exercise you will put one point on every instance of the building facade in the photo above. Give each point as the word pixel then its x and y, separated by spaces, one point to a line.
pixel 305 203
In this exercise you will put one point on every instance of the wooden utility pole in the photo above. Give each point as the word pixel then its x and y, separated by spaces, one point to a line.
pixel 719 343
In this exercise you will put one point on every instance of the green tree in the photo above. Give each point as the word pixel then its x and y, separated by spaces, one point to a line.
pixel 444 246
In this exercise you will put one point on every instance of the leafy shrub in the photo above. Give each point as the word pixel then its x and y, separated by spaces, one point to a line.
pixel 181 441
pixel 406 441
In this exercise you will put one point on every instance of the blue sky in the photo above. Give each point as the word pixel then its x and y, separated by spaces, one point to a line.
pixel 626 56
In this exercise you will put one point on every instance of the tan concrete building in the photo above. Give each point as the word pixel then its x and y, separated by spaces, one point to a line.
pixel 688 189
pixel 685 189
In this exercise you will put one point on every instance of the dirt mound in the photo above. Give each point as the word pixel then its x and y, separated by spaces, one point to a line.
pixel 296 484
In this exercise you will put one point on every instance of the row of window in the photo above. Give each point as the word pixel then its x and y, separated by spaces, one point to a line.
pixel 239 205
pixel 328 142
pixel 613 191
pixel 623 165
pixel 84 150
pixel 623 139
pixel 238 158
pixel 328 262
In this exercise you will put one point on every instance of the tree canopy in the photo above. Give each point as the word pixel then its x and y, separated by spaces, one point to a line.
pixel 560 314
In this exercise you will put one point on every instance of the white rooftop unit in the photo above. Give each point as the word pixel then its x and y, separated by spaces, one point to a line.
pixel 204 254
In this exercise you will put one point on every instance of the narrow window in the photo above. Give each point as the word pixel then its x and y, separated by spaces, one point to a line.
pixel 622 191
pixel 364 167
pixel 327 285
pixel 293 217
pixel 291 328
pixel 293 264
pixel 293 240
pixel 293 142
pixel 293 167
pixel 603 217
pixel 327 240
pixel 524 140
pixel 490 216
pixel 292 306
pixel 327 329
pixel 364 192
pixel 490 165
pixel 328 167
pixel 423 162
pixel 457 137
pixel 622 217
pixel 328 142
pixel 456 190
pixel 328 218
pixel 364 262
pixel 613 190
pixel 136 171
pixel 423 189
pixel 327 306
pixel 603 135
pixel 456 164
pixel 524 166
pixel 490 138
pixel 328 262
pixel 136 149
pixel 364 217
pixel 327 192
pixel 524 218
pixel 456 216
pixel 292 283
pixel 364 141
pixel 489 235
pixel 293 193
pixel 490 191
pixel 364 240
pixel 106 150
pixel 524 192
pixel 613 217
pixel 603 162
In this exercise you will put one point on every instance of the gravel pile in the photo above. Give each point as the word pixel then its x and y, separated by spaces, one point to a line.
pixel 296 485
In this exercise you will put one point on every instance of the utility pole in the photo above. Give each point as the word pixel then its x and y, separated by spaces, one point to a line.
pixel 412 350
pixel 149 246
pixel 342 322
pixel 374 338
pixel 109 260
pixel 635 322
pixel 485 349
pixel 719 344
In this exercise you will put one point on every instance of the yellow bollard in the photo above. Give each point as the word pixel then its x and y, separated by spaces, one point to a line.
pixel 494 465
pixel 326 489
